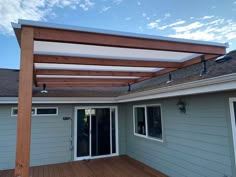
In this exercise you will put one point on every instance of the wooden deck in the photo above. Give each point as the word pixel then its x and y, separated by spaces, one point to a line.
pixel 122 166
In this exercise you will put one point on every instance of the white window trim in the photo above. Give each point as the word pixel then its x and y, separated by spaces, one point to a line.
pixel 232 115
pixel 15 115
pixel 146 122
pixel 35 111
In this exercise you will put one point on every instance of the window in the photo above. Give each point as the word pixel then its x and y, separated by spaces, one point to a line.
pixel 14 111
pixel 148 121
pixel 232 104
pixel 46 111
pixel 38 111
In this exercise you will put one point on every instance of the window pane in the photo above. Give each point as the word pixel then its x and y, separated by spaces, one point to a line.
pixel 154 122
pixel 140 126
pixel 83 143
pixel 41 111
pixel 100 125
pixel 235 112
pixel 113 126
pixel 15 111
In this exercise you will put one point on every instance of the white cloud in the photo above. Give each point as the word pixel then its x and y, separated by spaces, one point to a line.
pixel 39 10
pixel 217 30
pixel 105 8
pixel 86 5
pixel 216 22
pixel 197 35
pixel 213 29
pixel 117 2
pixel 157 26
pixel 144 14
pixel 191 26
pixel 138 3
pixel 234 2
pixel 172 24
pixel 153 25
pixel 231 35
pixel 128 18
pixel 207 17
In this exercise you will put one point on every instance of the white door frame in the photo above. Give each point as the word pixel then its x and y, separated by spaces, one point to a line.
pixel 232 115
pixel 75 132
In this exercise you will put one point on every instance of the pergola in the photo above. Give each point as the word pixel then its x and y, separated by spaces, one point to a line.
pixel 66 56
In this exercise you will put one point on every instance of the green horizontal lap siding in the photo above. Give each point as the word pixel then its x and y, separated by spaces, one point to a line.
pixel 195 144
pixel 7 138
pixel 50 137
pixel 122 129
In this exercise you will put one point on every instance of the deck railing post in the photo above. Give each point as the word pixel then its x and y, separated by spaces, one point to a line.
pixel 22 164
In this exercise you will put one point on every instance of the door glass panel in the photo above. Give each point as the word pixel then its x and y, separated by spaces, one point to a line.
pixel 235 112
pixel 113 126
pixel 100 122
pixel 83 132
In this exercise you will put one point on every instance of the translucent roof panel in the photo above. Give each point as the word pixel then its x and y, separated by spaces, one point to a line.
pixel 94 67
pixel 68 49
pixel 98 77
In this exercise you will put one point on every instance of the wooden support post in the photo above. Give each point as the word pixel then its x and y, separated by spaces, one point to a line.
pixel 24 104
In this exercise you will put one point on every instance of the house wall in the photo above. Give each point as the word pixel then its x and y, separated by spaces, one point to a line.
pixel 198 143
pixel 50 136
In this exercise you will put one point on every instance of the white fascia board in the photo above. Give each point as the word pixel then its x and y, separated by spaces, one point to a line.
pixel 221 83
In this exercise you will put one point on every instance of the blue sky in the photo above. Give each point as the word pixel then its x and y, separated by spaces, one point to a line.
pixel 209 20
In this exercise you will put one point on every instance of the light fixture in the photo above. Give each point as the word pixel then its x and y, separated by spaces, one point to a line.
pixel 181 106
pixel 44 91
pixel 129 87
pixel 204 66
pixel 170 79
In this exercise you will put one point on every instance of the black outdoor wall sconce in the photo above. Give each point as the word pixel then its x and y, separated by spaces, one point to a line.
pixel 181 106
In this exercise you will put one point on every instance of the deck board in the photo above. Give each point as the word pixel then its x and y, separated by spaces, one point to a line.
pixel 121 166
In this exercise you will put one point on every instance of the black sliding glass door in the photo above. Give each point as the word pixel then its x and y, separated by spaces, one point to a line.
pixel 95 132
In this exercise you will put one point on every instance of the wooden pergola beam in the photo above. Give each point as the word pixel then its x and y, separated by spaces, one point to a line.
pixel 91 73
pixel 78 80
pixel 184 64
pixel 92 38
pixel 197 60
pixel 75 85
pixel 103 62
pixel 24 104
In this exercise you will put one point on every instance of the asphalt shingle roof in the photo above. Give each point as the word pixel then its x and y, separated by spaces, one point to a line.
pixel 9 79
